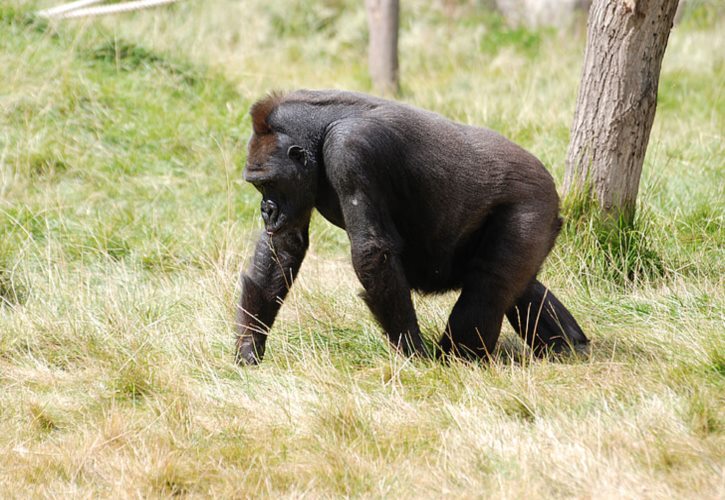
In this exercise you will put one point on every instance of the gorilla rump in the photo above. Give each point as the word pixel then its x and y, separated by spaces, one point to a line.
pixel 428 204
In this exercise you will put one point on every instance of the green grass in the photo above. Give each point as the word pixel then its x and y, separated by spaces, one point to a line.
pixel 124 223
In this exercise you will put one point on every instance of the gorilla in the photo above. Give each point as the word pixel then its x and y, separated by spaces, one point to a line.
pixel 427 203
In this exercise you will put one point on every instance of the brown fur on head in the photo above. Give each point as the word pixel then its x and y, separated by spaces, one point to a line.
pixel 263 141
pixel 261 110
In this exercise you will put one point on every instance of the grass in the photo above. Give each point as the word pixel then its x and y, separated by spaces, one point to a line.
pixel 124 223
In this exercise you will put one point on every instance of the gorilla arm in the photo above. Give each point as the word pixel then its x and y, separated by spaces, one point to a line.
pixel 374 241
pixel 375 258
pixel 277 260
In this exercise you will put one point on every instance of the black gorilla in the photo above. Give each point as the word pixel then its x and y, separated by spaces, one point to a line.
pixel 428 204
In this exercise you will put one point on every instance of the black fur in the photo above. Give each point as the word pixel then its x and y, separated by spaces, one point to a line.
pixel 428 204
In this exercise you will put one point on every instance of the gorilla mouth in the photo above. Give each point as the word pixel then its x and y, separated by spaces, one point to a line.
pixel 271 215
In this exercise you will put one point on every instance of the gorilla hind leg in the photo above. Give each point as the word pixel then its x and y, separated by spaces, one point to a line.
pixel 473 326
pixel 511 247
pixel 544 323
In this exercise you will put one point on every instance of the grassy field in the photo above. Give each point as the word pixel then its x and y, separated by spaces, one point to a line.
pixel 124 223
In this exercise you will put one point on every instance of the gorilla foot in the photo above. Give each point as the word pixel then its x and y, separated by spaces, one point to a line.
pixel 250 350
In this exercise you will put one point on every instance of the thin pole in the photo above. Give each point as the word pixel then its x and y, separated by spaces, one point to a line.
pixel 61 9
pixel 112 9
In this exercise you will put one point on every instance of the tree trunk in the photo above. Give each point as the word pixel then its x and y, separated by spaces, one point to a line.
pixel 383 19
pixel 616 104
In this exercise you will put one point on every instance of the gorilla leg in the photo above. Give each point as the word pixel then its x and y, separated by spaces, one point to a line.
pixel 474 324
pixel 544 323
pixel 513 244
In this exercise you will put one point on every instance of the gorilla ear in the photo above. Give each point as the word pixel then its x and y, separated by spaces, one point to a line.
pixel 297 153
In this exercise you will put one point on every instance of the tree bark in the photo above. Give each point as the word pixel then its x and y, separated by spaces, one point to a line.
pixel 383 20
pixel 616 103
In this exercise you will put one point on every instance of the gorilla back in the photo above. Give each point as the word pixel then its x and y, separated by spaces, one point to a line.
pixel 427 203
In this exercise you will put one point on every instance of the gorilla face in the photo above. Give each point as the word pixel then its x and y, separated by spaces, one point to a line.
pixel 286 176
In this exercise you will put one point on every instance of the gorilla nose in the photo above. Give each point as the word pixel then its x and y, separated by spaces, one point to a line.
pixel 270 212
